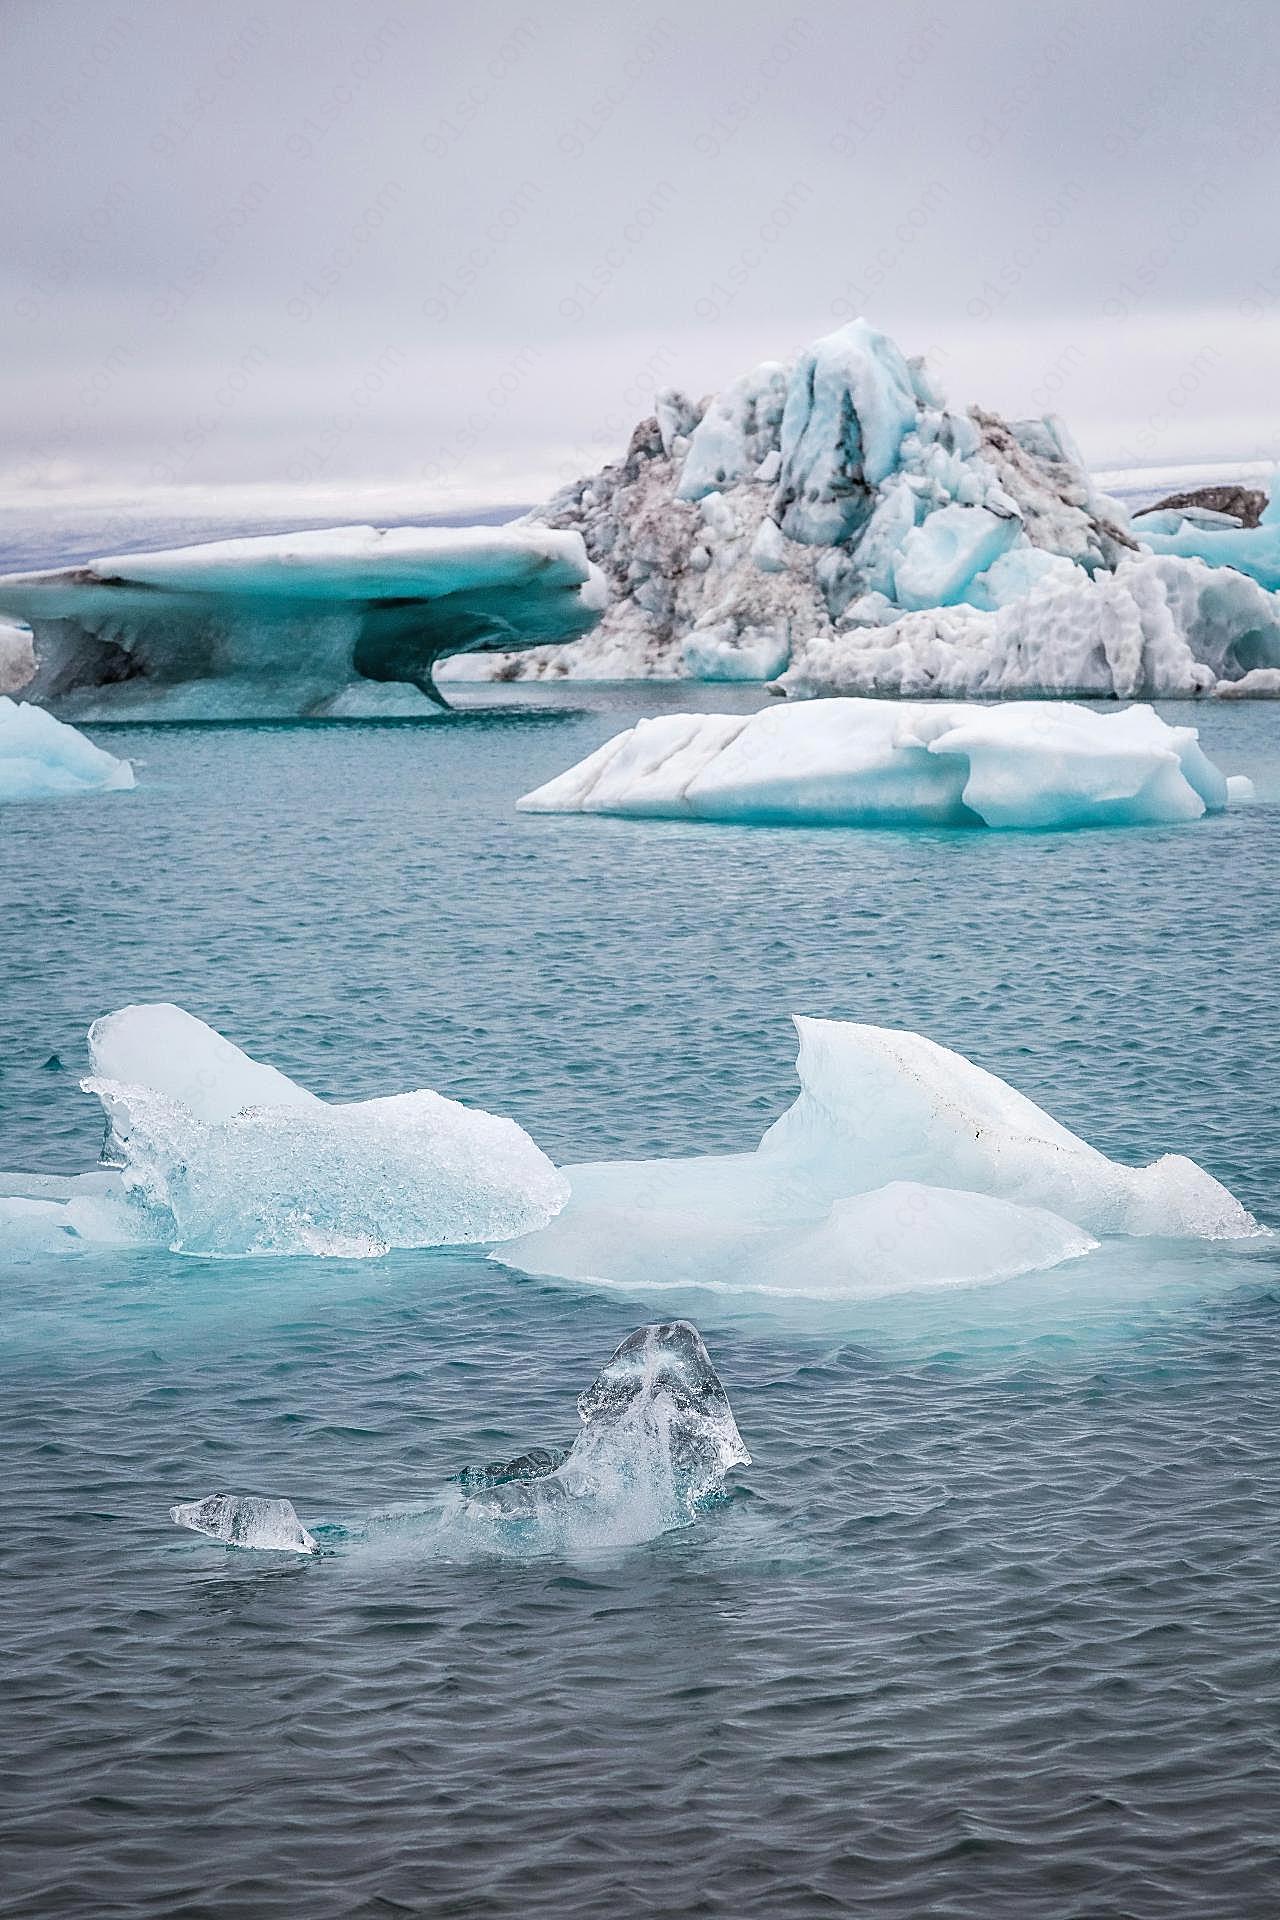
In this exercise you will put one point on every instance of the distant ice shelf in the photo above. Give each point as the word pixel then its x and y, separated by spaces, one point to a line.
pixel 885 763
pixel 347 622
pixel 901 1166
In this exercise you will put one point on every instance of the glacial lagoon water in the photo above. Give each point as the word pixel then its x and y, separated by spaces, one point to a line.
pixel 989 1624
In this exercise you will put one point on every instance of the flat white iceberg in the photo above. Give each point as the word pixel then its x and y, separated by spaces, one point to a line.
pixel 894 763
pixel 901 1166
pixel 219 1154
pixel 246 1520
pixel 42 758
pixel 340 622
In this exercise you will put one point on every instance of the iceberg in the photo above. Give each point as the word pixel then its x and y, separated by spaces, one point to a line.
pixel 901 1166
pixel 219 1154
pixel 1163 625
pixel 246 1520
pixel 834 524
pixel 344 622
pixel 42 758
pixel 657 1438
pixel 883 763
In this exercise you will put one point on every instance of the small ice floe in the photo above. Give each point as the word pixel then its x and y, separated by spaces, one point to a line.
pixel 895 763
pixel 246 1520
pixel 218 1154
pixel 901 1166
pixel 658 1437
pixel 42 758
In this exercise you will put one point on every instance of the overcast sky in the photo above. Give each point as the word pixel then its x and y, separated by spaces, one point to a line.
pixel 453 249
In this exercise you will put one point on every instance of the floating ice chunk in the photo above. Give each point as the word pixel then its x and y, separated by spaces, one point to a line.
pixel 879 763
pixel 658 1437
pixel 347 1180
pixel 895 1105
pixel 169 1051
pixel 741 1225
pixel 900 1166
pixel 42 758
pixel 220 1154
pixel 246 1520
pixel 296 624
pixel 940 559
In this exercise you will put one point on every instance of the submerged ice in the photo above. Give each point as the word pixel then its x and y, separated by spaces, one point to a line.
pixel 901 1165
pixel 220 1154
pixel 891 763
pixel 42 758
pixel 656 1438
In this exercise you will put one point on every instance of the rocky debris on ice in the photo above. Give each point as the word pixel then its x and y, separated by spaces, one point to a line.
pixel 246 1520
pixel 17 657
pixel 218 1154
pixel 1253 550
pixel 339 623
pixel 42 758
pixel 894 763
pixel 901 1166
pixel 656 1440
pixel 1244 505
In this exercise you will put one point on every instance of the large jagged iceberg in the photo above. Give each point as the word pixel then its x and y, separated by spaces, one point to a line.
pixel 221 1155
pixel 339 623
pixel 835 522
pixel 901 1165
pixel 894 763
pixel 42 758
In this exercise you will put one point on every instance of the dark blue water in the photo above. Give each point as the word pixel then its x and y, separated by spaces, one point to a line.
pixel 989 1627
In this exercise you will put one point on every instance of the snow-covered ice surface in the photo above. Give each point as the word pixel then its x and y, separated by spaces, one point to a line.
pixel 901 1166
pixel 836 522
pixel 221 1155
pixel 893 763
pixel 41 758
pixel 246 1520
pixel 339 623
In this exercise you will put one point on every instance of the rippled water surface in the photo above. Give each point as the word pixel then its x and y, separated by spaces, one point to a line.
pixel 989 1626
